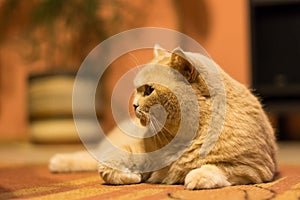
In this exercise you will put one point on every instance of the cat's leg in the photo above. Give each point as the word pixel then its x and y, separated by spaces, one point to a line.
pixel 205 177
pixel 73 162
pixel 118 177
pixel 115 166
pixel 118 169
pixel 158 176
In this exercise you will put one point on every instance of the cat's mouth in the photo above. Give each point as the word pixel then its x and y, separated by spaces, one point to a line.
pixel 143 117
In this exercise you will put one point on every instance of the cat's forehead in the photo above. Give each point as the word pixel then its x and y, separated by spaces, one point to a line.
pixel 159 74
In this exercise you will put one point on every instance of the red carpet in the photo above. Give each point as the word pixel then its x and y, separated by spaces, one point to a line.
pixel 36 182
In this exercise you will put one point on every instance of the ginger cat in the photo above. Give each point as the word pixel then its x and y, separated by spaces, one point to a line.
pixel 244 153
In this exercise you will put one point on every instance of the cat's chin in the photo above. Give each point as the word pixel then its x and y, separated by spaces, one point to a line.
pixel 144 121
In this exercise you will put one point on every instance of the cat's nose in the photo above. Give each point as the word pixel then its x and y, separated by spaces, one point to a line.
pixel 135 106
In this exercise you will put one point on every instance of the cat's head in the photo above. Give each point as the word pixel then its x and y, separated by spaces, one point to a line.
pixel 161 82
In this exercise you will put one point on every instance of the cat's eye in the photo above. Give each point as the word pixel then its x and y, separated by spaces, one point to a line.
pixel 148 90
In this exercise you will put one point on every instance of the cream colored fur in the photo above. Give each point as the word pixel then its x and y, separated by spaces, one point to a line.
pixel 244 153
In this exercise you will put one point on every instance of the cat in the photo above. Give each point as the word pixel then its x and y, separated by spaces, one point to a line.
pixel 245 149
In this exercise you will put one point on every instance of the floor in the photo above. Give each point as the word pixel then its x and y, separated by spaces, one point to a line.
pixel 289 152
pixel 25 174
pixel 24 152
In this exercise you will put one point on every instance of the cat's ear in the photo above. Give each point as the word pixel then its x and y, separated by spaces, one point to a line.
pixel 158 51
pixel 180 62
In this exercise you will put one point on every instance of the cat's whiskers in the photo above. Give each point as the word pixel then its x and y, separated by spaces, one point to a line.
pixel 135 61
pixel 134 58
pixel 152 127
pixel 162 127
pixel 162 135
pixel 156 129
pixel 163 132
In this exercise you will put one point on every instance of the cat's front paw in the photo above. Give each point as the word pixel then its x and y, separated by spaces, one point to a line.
pixel 116 177
pixel 205 177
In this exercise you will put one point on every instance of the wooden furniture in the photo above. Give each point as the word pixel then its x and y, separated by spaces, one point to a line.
pixel 275 49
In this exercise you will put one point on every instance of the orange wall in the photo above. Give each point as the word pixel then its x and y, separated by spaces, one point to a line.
pixel 228 38
pixel 226 42
pixel 13 121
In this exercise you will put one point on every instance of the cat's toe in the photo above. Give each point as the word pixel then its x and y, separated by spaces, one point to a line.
pixel 122 178
pixel 130 178
pixel 116 177
pixel 206 177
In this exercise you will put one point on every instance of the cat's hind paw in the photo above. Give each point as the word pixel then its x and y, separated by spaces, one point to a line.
pixel 72 162
pixel 59 163
pixel 205 177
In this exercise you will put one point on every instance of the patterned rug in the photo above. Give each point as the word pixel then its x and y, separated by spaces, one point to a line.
pixel 35 182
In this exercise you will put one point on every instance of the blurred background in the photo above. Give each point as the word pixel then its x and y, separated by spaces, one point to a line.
pixel 43 43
